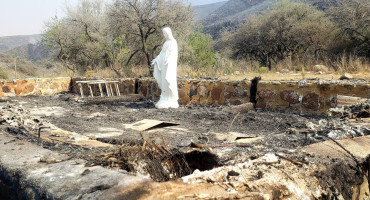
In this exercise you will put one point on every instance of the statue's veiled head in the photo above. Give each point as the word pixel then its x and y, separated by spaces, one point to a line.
pixel 167 33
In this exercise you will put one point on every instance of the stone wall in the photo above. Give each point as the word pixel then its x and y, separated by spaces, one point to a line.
pixel 202 92
pixel 313 97
pixel 34 86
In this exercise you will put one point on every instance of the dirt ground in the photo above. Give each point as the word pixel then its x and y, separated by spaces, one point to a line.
pixel 206 137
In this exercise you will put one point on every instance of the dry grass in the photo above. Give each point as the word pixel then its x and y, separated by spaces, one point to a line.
pixel 351 64
pixel 293 76
pixel 243 70
pixel 224 68
pixel 299 69
pixel 8 71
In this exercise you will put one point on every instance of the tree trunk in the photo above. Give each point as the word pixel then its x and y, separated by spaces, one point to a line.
pixel 145 50
pixel 151 69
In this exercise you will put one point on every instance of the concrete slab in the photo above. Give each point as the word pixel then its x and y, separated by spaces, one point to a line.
pixel 359 147
pixel 21 169
pixel 24 170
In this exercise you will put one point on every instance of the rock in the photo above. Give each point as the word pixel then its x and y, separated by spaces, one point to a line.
pixel 259 175
pixel 5 99
pixel 49 160
pixel 291 96
pixel 233 173
pixel 243 108
pixel 271 158
pixel 321 68
pixel 346 76
pixel 312 101
pixel 293 131
pixel 184 143
pixel 285 70
pixel 15 124
pixel 311 126
pixel 97 114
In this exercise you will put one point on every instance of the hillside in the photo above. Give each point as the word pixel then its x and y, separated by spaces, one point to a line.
pixel 26 68
pixel 202 2
pixel 33 52
pixel 234 12
pixel 29 56
pixel 11 42
pixel 203 11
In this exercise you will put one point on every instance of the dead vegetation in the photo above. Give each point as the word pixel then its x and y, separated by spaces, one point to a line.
pixel 147 156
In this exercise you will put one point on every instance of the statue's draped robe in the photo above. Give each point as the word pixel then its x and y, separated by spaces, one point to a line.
pixel 165 72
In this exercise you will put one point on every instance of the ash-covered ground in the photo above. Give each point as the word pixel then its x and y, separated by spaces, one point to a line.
pixel 197 124
pixel 218 139
pixel 207 127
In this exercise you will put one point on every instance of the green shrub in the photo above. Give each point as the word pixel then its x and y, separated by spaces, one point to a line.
pixel 263 70
pixel 3 75
pixel 298 68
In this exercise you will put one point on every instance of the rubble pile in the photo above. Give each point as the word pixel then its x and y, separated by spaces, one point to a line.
pixel 358 110
pixel 336 128
pixel 15 117
pixel 267 177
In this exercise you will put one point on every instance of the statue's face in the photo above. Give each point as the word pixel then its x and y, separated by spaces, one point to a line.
pixel 165 34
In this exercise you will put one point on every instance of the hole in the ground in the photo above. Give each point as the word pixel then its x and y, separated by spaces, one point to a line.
pixel 202 160
pixel 159 161
pixel 6 192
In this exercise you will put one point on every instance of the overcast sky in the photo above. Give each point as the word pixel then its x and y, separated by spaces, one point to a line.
pixel 26 17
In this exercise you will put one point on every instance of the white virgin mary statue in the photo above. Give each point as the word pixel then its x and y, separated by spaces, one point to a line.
pixel 165 72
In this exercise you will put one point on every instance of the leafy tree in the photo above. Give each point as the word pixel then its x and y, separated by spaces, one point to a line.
pixel 143 21
pixel 116 52
pixel 200 53
pixel 290 29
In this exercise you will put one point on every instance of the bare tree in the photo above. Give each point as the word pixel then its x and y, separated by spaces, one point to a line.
pixel 142 21
pixel 352 18
pixel 79 36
